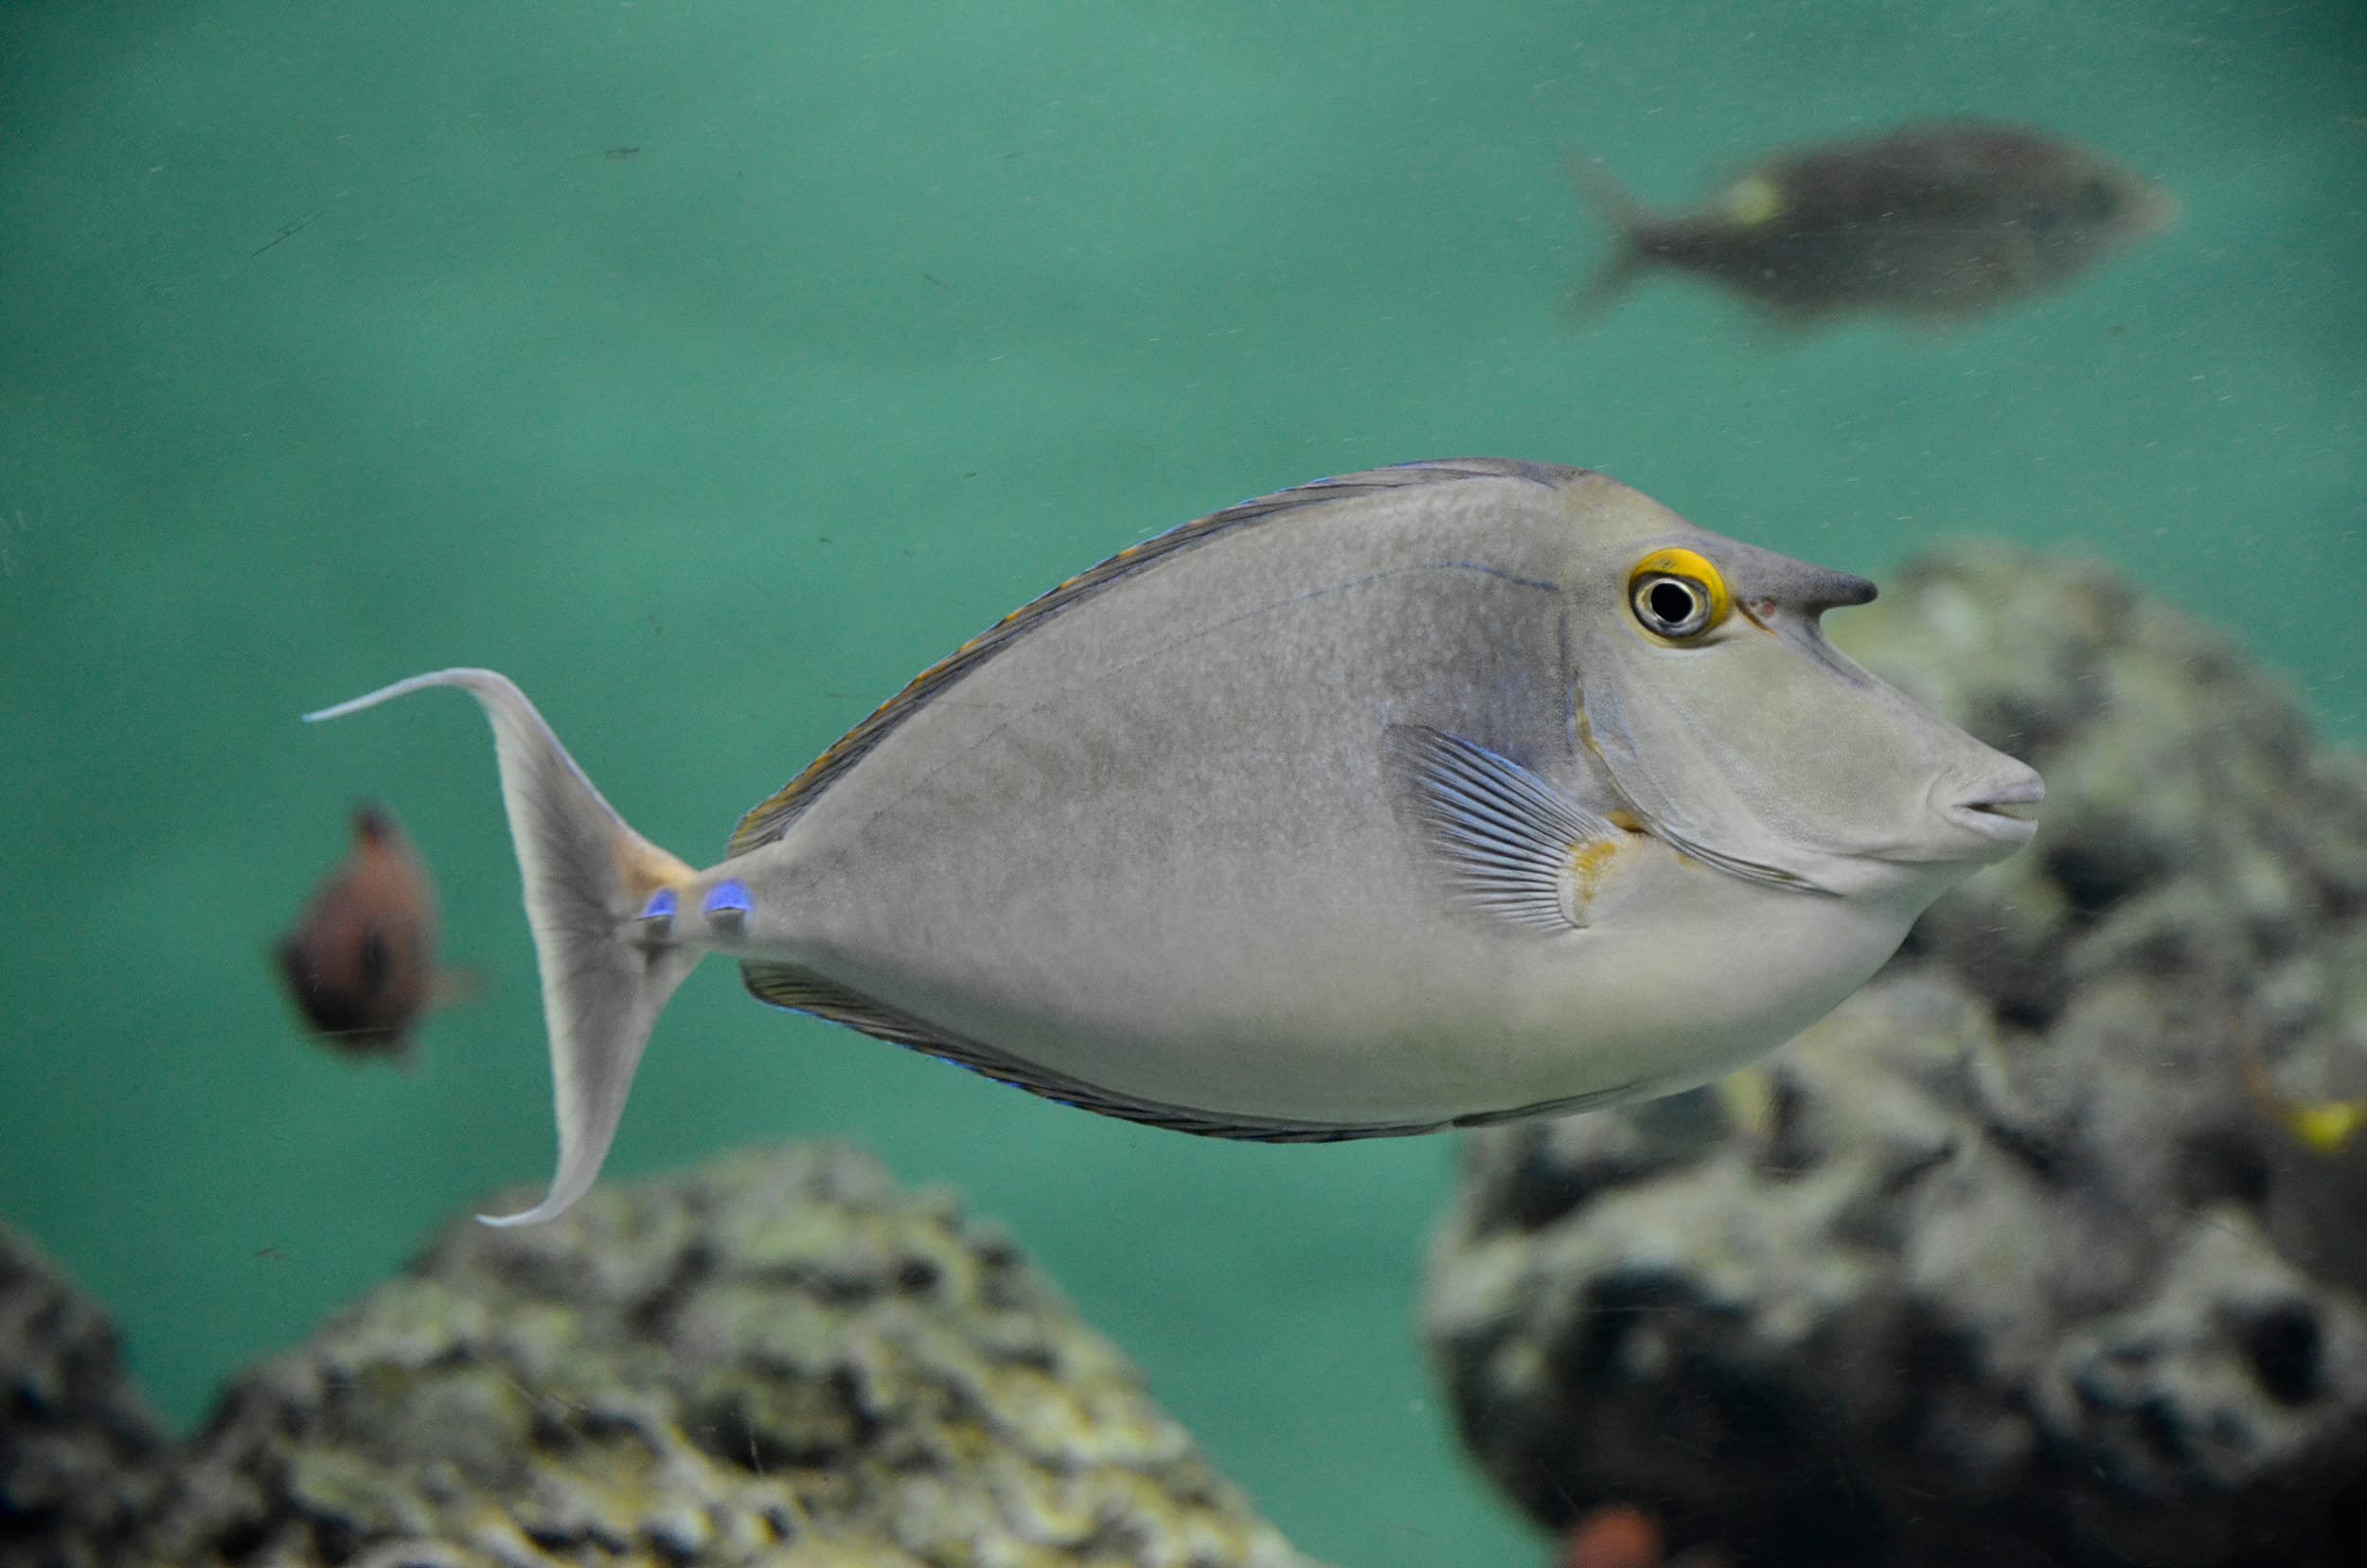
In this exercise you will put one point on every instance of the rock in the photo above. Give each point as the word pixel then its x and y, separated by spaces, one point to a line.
pixel 78 1442
pixel 2015 1258
pixel 781 1357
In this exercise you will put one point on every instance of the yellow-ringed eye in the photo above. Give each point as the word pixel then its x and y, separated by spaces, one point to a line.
pixel 1677 594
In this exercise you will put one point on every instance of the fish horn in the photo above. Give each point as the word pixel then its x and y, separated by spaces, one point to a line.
pixel 587 876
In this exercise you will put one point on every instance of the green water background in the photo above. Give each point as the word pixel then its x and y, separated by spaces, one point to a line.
pixel 342 342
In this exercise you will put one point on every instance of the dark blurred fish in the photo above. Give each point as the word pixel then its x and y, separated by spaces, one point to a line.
pixel 1938 220
pixel 361 961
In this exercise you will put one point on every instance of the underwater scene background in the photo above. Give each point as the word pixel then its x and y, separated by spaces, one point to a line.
pixel 713 369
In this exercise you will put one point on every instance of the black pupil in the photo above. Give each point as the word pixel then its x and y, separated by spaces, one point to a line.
pixel 1671 603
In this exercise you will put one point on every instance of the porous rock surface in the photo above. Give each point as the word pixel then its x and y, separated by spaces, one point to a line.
pixel 78 1443
pixel 2013 1259
pixel 780 1358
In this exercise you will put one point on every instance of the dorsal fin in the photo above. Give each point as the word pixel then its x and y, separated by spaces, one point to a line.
pixel 771 819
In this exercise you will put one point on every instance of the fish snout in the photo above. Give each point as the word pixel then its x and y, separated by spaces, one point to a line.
pixel 1987 805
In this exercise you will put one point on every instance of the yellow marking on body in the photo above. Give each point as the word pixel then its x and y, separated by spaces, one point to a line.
pixel 643 868
pixel 1625 820
pixel 1588 860
pixel 1752 202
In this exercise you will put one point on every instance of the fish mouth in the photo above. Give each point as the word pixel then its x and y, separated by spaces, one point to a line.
pixel 1992 811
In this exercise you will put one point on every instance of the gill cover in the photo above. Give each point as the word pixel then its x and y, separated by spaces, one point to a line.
pixel 1748 740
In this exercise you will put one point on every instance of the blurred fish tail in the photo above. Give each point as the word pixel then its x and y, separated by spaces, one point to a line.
pixel 1610 201
pixel 589 876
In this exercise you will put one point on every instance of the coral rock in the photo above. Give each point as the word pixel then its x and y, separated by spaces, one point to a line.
pixel 780 1359
pixel 78 1443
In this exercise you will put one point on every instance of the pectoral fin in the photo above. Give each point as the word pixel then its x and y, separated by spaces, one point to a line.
pixel 1513 844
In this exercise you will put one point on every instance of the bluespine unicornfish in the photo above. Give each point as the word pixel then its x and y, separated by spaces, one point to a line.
pixel 1418 798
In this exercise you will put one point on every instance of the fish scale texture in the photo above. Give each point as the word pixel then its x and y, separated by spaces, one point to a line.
pixel 779 1358
pixel 2008 1260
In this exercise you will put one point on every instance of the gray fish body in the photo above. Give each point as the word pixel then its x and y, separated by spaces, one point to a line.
pixel 1420 797
pixel 1156 844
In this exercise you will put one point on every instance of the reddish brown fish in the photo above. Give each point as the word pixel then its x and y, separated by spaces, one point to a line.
pixel 361 962
pixel 1938 220
pixel 1618 1536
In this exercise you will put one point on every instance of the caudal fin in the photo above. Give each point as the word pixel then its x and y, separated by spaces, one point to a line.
pixel 1611 202
pixel 587 878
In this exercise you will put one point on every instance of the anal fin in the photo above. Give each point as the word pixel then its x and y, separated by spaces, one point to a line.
pixel 802 990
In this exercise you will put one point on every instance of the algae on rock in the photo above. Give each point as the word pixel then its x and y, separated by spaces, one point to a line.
pixel 780 1358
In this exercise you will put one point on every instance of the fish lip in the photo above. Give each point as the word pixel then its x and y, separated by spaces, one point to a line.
pixel 1987 814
